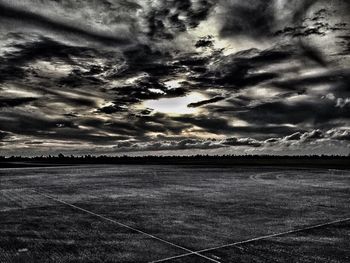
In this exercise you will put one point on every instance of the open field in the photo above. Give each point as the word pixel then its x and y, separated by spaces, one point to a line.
pixel 135 213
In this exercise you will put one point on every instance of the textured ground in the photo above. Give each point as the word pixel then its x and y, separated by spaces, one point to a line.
pixel 82 214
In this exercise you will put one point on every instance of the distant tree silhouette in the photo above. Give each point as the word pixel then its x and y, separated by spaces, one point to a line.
pixel 257 160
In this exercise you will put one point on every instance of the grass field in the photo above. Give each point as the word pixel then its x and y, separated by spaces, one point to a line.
pixel 169 213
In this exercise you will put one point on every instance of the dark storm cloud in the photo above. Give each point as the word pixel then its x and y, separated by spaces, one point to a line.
pixel 34 143
pixel 293 137
pixel 261 18
pixel 170 145
pixel 262 131
pixel 8 102
pixel 137 126
pixel 28 124
pixel 221 125
pixel 209 124
pixel 253 18
pixel 338 81
pixel 86 74
pixel 45 49
pixel 53 128
pixel 268 19
pixel 113 109
pixel 241 69
pixel 306 111
pixel 160 123
pixel 164 21
pixel 144 90
pixel 204 102
pixel 3 135
pixel 313 54
pixel 310 137
pixel 317 25
pixel 313 135
pixel 190 143
pixel 345 42
pixel 27 17
pixel 205 42
pixel 299 139
pixel 242 142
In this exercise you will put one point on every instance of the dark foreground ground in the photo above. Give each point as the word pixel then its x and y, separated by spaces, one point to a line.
pixel 85 214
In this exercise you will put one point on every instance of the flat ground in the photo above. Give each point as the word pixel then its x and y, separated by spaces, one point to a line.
pixel 150 213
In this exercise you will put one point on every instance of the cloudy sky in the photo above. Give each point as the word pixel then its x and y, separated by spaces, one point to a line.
pixel 174 77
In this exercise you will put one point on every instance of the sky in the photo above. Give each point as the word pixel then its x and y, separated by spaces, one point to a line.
pixel 174 77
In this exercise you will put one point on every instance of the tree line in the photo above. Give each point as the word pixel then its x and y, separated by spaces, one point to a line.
pixel 314 160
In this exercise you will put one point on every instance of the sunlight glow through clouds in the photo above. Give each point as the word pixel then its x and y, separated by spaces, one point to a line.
pixel 175 106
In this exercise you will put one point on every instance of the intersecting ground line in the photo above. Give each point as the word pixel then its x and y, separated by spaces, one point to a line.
pixel 191 252
pixel 256 239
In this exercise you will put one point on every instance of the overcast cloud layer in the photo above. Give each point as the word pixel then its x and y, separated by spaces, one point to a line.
pixel 174 77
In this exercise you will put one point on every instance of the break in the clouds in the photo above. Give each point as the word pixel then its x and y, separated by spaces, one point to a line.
pixel 174 77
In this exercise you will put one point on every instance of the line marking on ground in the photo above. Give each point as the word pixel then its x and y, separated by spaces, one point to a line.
pixel 191 252
pixel 256 239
